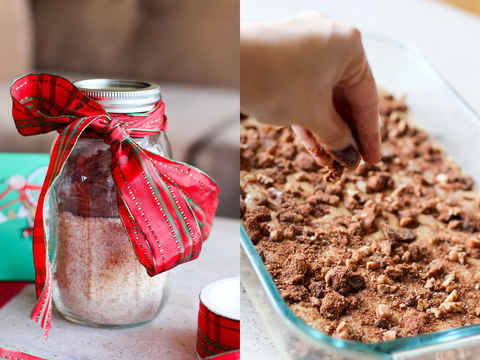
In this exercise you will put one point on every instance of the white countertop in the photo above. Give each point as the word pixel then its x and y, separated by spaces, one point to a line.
pixel 255 340
pixel 171 336
pixel 445 35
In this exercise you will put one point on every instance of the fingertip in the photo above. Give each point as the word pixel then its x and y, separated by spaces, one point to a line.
pixel 372 159
pixel 349 156
pixel 313 147
pixel 372 148
pixel 372 155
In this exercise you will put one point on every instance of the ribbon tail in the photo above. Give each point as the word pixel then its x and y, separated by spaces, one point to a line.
pixel 42 312
pixel 167 231
pixel 200 190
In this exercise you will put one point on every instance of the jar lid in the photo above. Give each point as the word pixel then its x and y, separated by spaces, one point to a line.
pixel 121 96
pixel 223 298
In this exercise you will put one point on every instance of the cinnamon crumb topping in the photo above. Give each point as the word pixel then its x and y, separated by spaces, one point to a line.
pixel 389 250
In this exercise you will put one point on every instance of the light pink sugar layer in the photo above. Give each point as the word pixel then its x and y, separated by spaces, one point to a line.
pixel 97 275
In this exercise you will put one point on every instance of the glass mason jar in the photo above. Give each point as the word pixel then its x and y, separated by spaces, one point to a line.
pixel 97 279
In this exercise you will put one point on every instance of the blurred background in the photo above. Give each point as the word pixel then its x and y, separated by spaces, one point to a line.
pixel 189 47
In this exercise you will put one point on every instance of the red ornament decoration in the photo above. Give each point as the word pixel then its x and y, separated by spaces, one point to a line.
pixel 218 337
pixel 166 206
pixel 9 289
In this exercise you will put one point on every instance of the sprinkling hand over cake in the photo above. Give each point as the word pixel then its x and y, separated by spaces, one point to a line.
pixel 390 251
pixel 311 73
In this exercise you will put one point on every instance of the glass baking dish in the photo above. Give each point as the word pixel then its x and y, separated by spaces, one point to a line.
pixel 443 114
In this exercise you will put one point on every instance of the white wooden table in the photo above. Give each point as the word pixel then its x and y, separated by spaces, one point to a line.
pixel 171 336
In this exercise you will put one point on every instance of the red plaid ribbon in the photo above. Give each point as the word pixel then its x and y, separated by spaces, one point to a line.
pixel 217 334
pixel 13 354
pixel 166 206
pixel 231 355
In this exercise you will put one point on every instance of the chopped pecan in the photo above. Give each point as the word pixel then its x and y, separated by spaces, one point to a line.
pixel 393 273
pixel 294 293
pixel 386 247
pixel 338 278
pixel 368 214
pixel 333 305
pixel 253 229
pixel 390 234
pixel 263 160
pixel 439 313
pixel 290 216
pixel 473 242
pixel 455 307
pixel 406 235
pixel 260 213
pixel 316 289
pixel 295 268
pixel 335 174
pixel 381 323
pixel 408 219
pixel 322 198
pixel 415 252
pixel 379 182
pixel 306 162
pixel 452 297
pixel 412 323
pixel 383 311
pixel 411 300
pixel 435 268
pixel 389 335
pixel 357 283
pixel 276 235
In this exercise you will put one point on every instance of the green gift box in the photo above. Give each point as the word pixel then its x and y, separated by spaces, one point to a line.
pixel 21 178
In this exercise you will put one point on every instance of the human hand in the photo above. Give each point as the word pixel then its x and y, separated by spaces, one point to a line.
pixel 311 72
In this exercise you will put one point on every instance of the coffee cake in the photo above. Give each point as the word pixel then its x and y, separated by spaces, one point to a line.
pixel 390 250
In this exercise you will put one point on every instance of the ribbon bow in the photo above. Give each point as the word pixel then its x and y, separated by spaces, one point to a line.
pixel 166 206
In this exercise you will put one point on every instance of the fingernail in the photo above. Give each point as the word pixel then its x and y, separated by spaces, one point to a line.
pixel 348 156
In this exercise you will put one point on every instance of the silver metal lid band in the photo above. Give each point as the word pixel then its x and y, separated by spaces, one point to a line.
pixel 121 96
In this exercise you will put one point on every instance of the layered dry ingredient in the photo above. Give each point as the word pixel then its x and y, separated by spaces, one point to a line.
pixel 86 186
pixel 391 250
pixel 97 275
